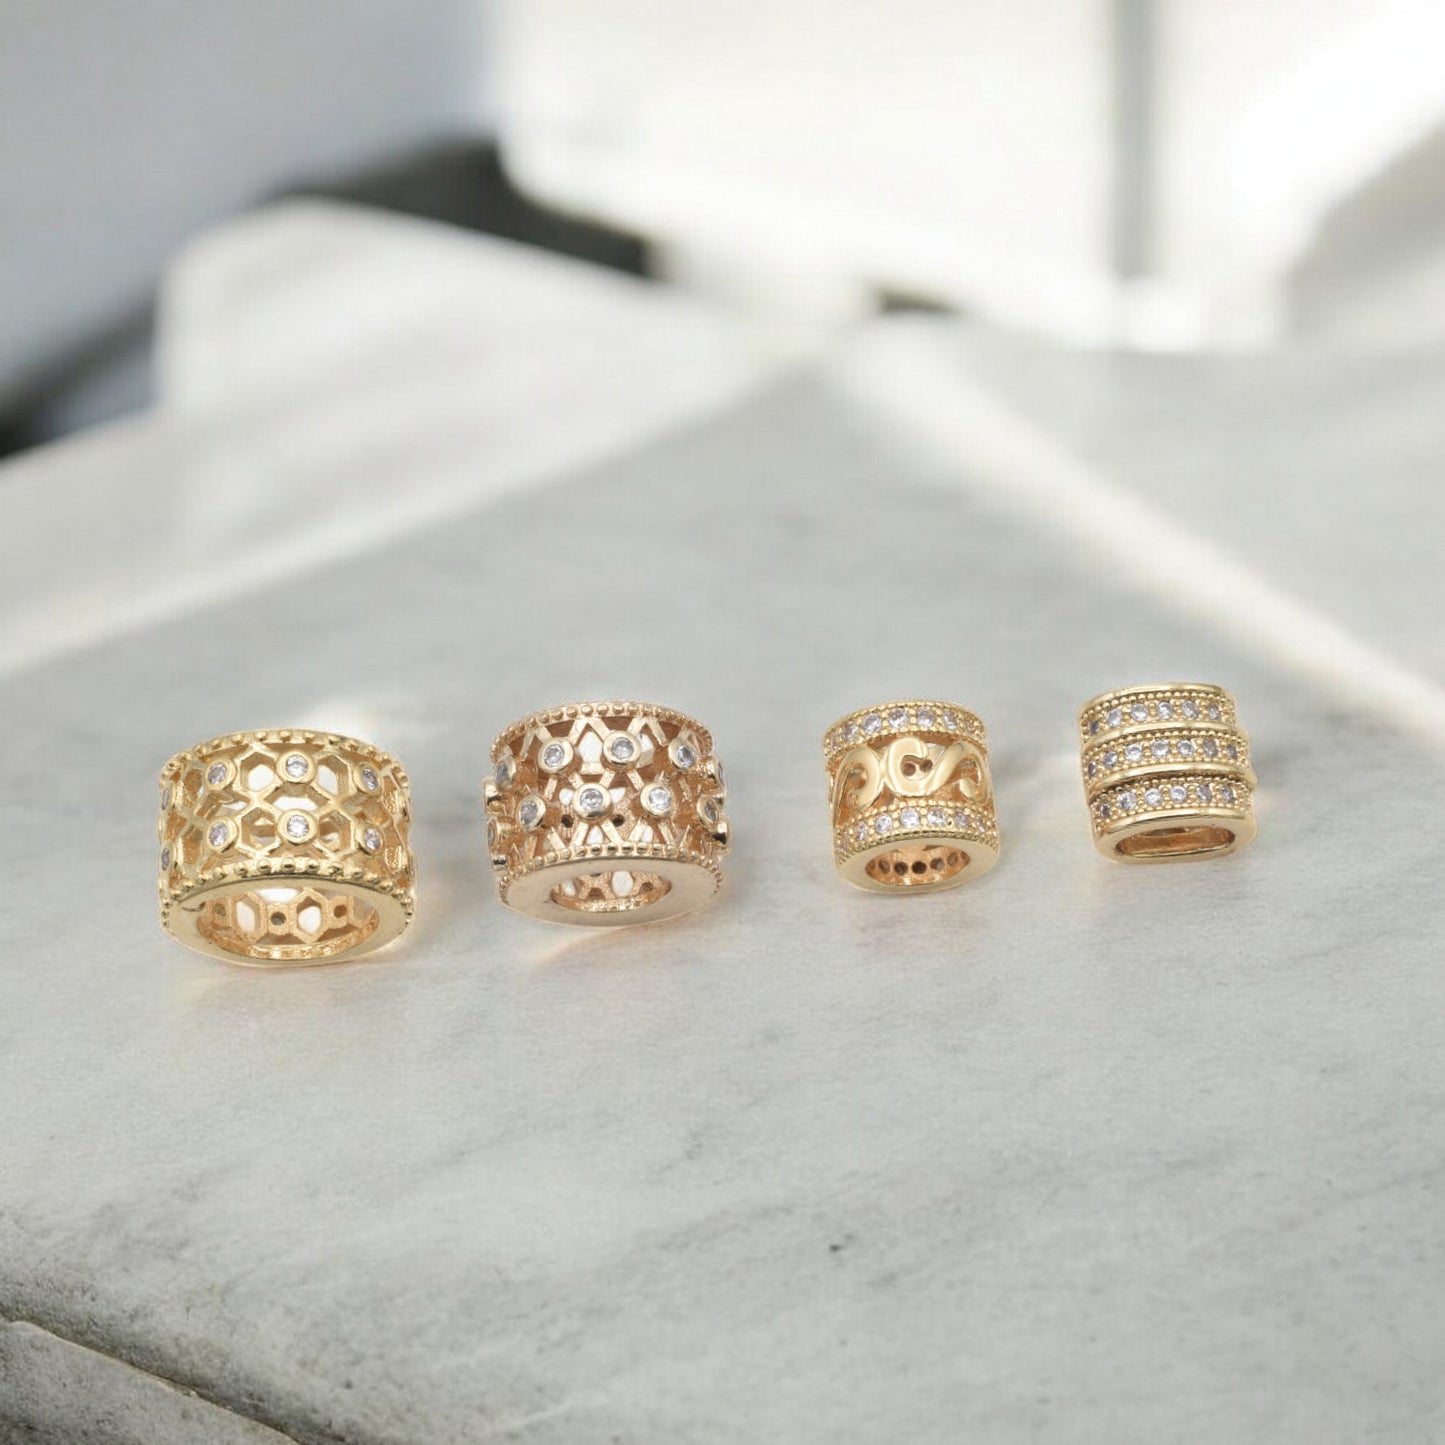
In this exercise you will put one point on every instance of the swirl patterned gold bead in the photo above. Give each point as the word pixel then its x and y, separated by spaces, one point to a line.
pixel 285 846
pixel 606 813
pixel 1167 773
pixel 911 797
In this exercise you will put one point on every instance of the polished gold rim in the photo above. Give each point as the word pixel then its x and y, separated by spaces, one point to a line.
pixel 281 922
pixel 608 890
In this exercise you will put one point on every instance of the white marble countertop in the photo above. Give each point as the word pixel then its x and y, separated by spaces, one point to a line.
pixel 1082 1153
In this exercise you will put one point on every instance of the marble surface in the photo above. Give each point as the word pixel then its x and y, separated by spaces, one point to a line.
pixel 1082 1153
pixel 57 1390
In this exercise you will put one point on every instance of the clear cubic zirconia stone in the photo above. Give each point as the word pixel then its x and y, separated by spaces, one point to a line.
pixel 591 801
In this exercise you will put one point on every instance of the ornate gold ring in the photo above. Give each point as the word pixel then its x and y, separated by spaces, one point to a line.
pixel 912 801
pixel 1167 773
pixel 284 847
pixel 606 813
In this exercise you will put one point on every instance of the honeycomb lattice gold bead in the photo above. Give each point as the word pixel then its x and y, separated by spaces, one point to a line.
pixel 285 847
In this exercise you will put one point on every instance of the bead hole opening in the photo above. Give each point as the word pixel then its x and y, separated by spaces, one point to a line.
pixel 918 866
pixel 287 924
pixel 618 891
pixel 1177 842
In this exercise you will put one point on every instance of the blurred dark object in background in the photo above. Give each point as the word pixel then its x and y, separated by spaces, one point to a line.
pixel 463 183
pixel 466 184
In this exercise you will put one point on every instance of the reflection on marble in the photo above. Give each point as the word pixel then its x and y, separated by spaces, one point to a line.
pixel 1204 549
pixel 1315 466
pixel 1081 1153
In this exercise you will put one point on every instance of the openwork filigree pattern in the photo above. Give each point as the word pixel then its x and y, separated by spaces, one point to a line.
pixel 615 803
pixel 285 845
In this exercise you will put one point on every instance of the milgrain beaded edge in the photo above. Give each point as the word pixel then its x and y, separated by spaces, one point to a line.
pixel 272 737
pixel 283 867
pixel 570 712
pixel 609 854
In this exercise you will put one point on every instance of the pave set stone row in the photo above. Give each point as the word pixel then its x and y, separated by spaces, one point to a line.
pixel 902 825
pixel 1166 753
pixel 1149 706
pixel 1172 795
pixel 1222 748
pixel 901 719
